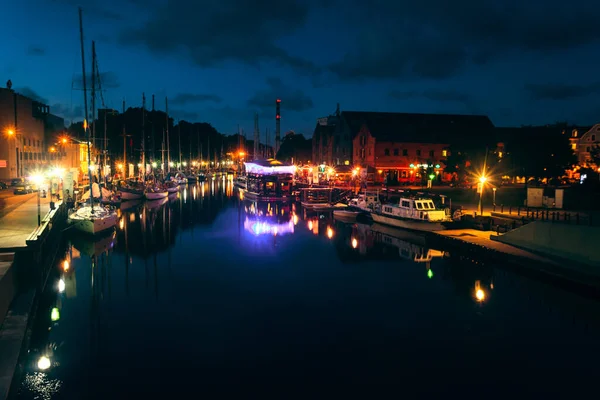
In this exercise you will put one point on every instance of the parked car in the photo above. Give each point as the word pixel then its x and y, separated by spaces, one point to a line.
pixel 3 186
pixel 17 181
pixel 22 189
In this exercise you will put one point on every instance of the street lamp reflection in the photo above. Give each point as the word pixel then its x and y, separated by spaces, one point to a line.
pixel 354 243
pixel 329 232
pixel 43 363
pixel 480 294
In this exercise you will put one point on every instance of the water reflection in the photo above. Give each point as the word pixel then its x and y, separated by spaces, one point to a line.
pixel 173 278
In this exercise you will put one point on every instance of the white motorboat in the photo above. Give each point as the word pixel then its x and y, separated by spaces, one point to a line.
pixel 93 220
pixel 172 187
pixel 155 193
pixel 414 213
pixel 130 191
pixel 365 202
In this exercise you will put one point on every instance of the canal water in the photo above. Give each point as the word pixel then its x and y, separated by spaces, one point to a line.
pixel 210 295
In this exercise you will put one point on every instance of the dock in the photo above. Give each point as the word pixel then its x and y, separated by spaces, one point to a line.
pixel 481 245
pixel 27 252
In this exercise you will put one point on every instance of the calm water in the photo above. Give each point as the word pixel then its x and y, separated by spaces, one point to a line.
pixel 207 292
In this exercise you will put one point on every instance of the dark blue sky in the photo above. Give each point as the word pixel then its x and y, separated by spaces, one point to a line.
pixel 220 61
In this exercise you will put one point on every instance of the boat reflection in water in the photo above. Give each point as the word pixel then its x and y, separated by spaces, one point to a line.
pixel 473 280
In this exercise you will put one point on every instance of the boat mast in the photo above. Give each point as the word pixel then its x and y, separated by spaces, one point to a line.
pixel 168 146
pixel 143 137
pixel 125 166
pixel 179 133
pixel 85 124
pixel 198 156
pixel 162 153
pixel 94 94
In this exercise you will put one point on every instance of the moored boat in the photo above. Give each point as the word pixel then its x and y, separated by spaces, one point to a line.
pixel 172 186
pixel 201 177
pixel 93 220
pixel 155 192
pixel 414 213
pixel 130 190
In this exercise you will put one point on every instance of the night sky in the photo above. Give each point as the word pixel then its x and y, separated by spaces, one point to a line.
pixel 220 61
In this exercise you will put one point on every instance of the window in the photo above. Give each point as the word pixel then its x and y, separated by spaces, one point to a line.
pixel 404 152
pixel 406 203
pixel 444 153
pixel 396 152
pixel 362 140
pixel 431 153
pixel 593 138
pixel 404 174
pixel 362 153
pixel 386 152
pixel 418 153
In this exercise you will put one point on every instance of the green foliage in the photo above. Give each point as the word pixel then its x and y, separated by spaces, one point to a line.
pixel 543 154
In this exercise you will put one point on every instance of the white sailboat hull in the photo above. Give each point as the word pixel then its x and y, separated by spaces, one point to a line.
pixel 156 195
pixel 405 223
pixel 93 225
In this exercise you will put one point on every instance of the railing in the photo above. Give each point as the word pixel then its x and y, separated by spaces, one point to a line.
pixel 526 214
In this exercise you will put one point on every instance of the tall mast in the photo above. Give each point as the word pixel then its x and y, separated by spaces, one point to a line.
pixel 162 153
pixel 198 156
pixel 125 166
pixel 256 137
pixel 152 143
pixel 179 134
pixel 85 103
pixel 144 137
pixel 104 149
pixel 168 146
pixel 94 94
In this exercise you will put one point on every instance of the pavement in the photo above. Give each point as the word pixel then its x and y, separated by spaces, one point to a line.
pixel 18 219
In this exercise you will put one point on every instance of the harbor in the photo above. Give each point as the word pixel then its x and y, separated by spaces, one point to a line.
pixel 102 292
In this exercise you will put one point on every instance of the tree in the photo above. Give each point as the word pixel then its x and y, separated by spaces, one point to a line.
pixel 295 146
pixel 456 163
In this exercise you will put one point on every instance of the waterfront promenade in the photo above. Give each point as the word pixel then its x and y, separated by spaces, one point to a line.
pixel 19 219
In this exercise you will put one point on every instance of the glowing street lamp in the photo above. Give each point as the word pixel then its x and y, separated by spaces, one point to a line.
pixel 10 132
pixel 482 181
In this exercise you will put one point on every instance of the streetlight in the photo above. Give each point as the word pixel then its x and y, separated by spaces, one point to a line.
pixel 494 191
pixel 482 180
pixel 37 179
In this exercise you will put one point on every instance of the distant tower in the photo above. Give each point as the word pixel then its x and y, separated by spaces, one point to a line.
pixel 9 84
pixel 277 126
pixel 256 138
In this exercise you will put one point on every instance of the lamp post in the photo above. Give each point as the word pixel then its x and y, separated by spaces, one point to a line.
pixel 494 191
pixel 37 180
pixel 482 180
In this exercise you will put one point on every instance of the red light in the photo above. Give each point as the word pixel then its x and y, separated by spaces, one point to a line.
pixel 279 101
pixel 278 117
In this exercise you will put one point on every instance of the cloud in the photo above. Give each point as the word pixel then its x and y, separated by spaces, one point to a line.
pixel 187 98
pixel 557 91
pixel 291 99
pixel 189 116
pixel 28 92
pixel 435 95
pixel 68 113
pixel 36 51
pixel 437 39
pixel 214 32
pixel 108 80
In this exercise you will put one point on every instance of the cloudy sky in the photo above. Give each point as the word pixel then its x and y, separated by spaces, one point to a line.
pixel 220 61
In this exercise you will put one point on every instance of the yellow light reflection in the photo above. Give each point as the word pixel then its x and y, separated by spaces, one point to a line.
pixel 65 265
pixel 43 363
pixel 295 218
pixel 121 223
pixel 354 243
pixel 310 225
pixel 480 294
pixel 329 232
pixel 61 286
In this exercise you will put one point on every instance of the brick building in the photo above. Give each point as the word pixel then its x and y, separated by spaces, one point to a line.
pixel 397 145
pixel 25 125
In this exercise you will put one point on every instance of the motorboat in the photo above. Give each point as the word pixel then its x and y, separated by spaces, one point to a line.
pixel 130 190
pixel 155 192
pixel 240 181
pixel 172 187
pixel 414 213
pixel 365 202
pixel 93 219
pixel 201 177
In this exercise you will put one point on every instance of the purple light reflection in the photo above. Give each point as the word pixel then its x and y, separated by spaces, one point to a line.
pixel 257 227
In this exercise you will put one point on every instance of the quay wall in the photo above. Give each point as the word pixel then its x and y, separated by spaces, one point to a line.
pixel 572 242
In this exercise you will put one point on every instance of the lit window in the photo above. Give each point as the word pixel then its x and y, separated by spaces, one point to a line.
pixel 444 153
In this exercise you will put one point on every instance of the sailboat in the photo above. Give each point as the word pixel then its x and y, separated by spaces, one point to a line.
pixel 87 218
pixel 154 190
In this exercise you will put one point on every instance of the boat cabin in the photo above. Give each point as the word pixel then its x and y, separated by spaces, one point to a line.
pixel 416 208
pixel 269 179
